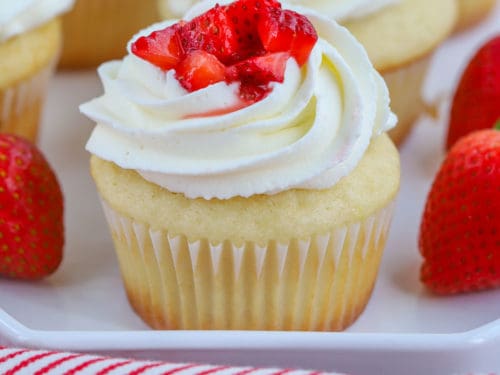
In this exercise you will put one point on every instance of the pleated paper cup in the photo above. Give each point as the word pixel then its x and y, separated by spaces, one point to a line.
pixel 27 62
pixel 405 86
pixel 21 105
pixel 319 283
pixel 96 31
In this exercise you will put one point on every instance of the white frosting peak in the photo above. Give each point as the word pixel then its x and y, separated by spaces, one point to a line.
pixel 18 16
pixel 309 132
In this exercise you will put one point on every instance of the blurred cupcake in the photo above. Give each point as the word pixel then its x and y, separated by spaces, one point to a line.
pixel 30 42
pixel 471 12
pixel 400 39
pixel 399 35
pixel 97 30
pixel 245 203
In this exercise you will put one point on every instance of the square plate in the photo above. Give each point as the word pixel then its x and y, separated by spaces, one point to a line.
pixel 82 307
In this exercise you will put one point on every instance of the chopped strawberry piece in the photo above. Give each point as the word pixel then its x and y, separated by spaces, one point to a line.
pixel 260 70
pixel 255 73
pixel 161 48
pixel 286 30
pixel 211 32
pixel 199 69
pixel 244 16
pixel 248 41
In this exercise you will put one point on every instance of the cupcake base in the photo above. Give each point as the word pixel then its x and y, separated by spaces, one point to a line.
pixel 21 105
pixel 321 283
pixel 405 90
pixel 27 61
pixel 295 260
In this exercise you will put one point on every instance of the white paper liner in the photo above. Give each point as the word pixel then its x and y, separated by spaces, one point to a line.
pixel 319 283
pixel 405 90
pixel 21 104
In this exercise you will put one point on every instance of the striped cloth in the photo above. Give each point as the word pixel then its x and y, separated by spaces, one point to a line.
pixel 40 362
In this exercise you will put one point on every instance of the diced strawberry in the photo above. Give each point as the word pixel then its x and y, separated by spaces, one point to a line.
pixel 286 30
pixel 199 69
pixel 255 73
pixel 212 32
pixel 260 70
pixel 244 16
pixel 161 48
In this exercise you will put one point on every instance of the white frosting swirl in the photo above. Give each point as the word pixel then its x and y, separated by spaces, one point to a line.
pixel 309 132
pixel 339 10
pixel 18 16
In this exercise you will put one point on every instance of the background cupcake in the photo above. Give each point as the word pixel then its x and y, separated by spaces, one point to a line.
pixel 272 215
pixel 30 42
pixel 97 30
pixel 400 39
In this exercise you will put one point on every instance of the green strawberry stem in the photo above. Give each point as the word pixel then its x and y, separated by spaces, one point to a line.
pixel 497 125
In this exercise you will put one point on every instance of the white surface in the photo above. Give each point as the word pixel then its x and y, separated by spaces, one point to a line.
pixel 83 306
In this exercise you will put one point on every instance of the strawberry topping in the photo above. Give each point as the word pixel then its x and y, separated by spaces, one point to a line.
pixel 247 41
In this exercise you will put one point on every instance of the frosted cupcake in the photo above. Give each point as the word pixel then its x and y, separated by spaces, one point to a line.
pixel 251 187
pixel 399 35
pixel 97 30
pixel 473 11
pixel 30 42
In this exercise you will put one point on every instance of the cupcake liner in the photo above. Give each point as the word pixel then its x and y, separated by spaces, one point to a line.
pixel 21 105
pixel 405 90
pixel 317 283
pixel 96 31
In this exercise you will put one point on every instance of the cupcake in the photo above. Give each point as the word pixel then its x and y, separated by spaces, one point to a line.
pixel 30 42
pixel 400 38
pixel 471 12
pixel 250 187
pixel 399 35
pixel 97 30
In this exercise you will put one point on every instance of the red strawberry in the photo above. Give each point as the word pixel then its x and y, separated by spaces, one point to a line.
pixel 245 15
pixel 256 72
pixel 211 32
pixel 286 30
pixel 31 212
pixel 200 69
pixel 476 104
pixel 162 48
pixel 460 229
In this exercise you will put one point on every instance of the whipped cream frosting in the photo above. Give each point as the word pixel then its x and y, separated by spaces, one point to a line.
pixel 309 132
pixel 340 10
pixel 18 16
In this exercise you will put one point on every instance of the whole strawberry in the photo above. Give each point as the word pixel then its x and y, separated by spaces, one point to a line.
pixel 476 104
pixel 31 212
pixel 460 229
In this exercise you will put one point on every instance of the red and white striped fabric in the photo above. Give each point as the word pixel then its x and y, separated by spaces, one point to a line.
pixel 41 362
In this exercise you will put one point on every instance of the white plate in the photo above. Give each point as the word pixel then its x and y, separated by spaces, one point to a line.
pixel 83 306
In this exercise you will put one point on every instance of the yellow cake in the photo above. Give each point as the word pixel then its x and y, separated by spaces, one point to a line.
pixel 471 12
pixel 26 62
pixel 273 216
pixel 97 30
pixel 165 244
